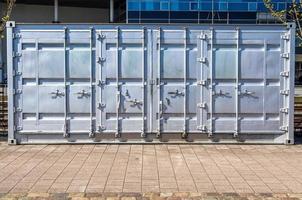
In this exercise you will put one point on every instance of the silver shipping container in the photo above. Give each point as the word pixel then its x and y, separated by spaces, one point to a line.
pixel 108 83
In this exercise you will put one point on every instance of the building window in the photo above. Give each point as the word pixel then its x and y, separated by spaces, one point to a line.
pixel 164 5
pixel 193 6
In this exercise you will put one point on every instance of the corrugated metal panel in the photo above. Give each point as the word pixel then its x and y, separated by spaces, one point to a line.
pixel 135 83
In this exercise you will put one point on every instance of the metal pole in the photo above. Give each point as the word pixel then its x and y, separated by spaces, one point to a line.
pixel 111 11
pixel 56 12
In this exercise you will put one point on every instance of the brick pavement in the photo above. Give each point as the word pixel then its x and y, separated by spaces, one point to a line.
pixel 162 169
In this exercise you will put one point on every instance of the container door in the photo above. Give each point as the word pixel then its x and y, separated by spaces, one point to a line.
pixel 260 98
pixel 222 79
pixel 177 73
pixel 122 82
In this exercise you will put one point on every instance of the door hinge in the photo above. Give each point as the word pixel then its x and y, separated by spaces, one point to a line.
pixel 202 60
pixel 284 73
pixel 203 36
pixel 284 92
pixel 202 128
pixel 18 128
pixel 102 128
pixel 16 35
pixel 101 60
pixel 202 105
pixel 102 82
pixel 17 109
pixel 202 82
pixel 102 105
pixel 285 55
pixel 16 73
pixel 18 91
pixel 17 54
pixel 285 37
pixel 101 36
pixel 284 110
pixel 284 128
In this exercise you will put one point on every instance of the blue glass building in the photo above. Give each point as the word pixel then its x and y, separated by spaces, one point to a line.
pixel 200 11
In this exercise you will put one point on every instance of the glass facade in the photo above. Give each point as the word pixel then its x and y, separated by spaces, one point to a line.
pixel 197 11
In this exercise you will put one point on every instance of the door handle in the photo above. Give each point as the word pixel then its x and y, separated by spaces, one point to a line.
pixel 135 102
pixel 160 109
pixel 83 93
pixel 220 93
pixel 118 98
pixel 57 93
pixel 246 92
pixel 176 93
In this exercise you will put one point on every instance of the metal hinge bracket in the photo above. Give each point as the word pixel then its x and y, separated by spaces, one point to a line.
pixel 284 92
pixel 101 60
pixel 16 73
pixel 17 54
pixel 102 105
pixel 17 109
pixel 202 60
pixel 202 105
pixel 202 82
pixel 285 55
pixel 285 37
pixel 284 128
pixel 284 74
pixel 16 35
pixel 18 128
pixel 284 110
pixel 18 91
pixel 102 128
pixel 101 36
pixel 203 36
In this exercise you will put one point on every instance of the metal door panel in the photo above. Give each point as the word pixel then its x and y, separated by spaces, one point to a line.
pixel 173 98
pixel 29 63
pixel 131 61
pixel 193 97
pixel 51 99
pixel 224 66
pixel 79 65
pixel 51 63
pixel 79 123
pixel 172 58
pixel 109 99
pixel 109 56
pixel 131 98
pixel 251 99
pixel 272 103
pixel 122 103
pixel 29 98
pixel 224 99
pixel 192 70
pixel 252 63
pixel 79 99
pixel 273 64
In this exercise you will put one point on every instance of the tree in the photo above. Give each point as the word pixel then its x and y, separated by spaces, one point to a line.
pixel 6 15
pixel 292 13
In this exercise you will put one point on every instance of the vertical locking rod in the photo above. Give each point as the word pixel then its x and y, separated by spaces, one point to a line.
pixel 237 84
pixel 184 133
pixel 143 82
pixel 91 133
pixel 160 105
pixel 118 94
pixel 66 133
pixel 210 133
